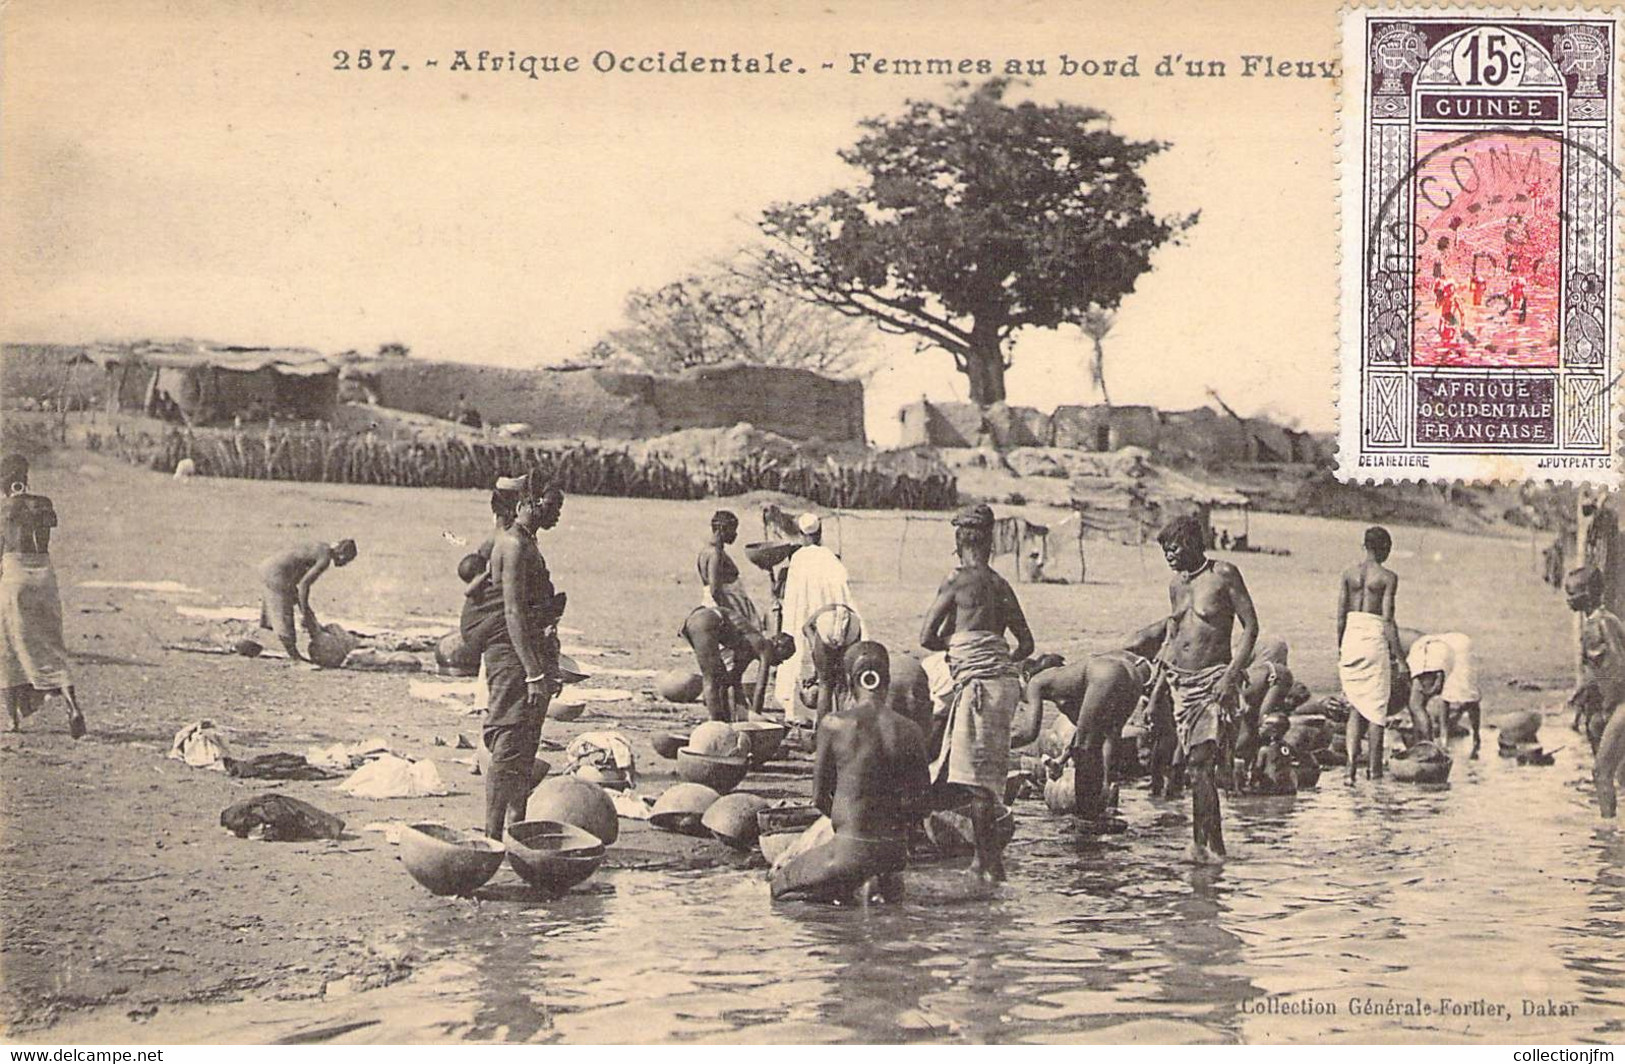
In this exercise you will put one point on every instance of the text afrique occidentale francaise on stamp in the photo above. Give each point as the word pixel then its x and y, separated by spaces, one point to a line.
pixel 606 61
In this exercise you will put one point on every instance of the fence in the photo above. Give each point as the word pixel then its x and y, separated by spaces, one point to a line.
pixel 328 456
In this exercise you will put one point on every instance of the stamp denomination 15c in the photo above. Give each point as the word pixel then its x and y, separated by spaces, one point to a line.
pixel 1478 171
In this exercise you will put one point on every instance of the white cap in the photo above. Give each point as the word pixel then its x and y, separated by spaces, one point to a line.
pixel 809 523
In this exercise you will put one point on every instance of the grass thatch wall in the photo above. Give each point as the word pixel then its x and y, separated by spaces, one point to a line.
pixel 323 455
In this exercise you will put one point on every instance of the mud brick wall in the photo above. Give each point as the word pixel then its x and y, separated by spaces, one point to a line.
pixel 612 405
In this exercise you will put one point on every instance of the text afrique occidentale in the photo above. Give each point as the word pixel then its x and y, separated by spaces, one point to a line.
pixel 605 61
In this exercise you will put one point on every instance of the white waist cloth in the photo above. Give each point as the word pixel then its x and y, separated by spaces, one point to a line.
pixel 1364 666
pixel 1452 654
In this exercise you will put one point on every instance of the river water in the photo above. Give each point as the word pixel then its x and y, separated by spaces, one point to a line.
pixel 1366 904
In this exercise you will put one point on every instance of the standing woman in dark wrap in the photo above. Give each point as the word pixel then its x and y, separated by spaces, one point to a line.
pixel 511 616
pixel 33 655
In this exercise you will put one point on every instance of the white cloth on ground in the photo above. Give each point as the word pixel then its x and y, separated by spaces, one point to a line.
pixel 1364 666
pixel 815 578
pixel 1452 654
pixel 199 745
pixel 395 777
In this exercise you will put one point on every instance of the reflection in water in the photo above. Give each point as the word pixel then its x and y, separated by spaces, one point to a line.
pixel 1476 896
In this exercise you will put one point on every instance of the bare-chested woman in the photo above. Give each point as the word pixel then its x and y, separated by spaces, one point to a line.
pixel 1369 653
pixel 1208 599
pixel 726 625
pixel 973 610
pixel 869 777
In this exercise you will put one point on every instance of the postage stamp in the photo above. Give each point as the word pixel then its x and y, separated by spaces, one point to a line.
pixel 1479 165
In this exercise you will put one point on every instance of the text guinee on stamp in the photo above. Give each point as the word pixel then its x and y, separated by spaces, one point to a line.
pixel 1479 165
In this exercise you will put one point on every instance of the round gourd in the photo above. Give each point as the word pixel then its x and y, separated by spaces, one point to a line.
pixel 1061 795
pixel 679 685
pixel 572 800
pixel 717 738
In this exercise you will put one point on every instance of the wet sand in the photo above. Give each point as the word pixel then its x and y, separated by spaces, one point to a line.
pixel 130 915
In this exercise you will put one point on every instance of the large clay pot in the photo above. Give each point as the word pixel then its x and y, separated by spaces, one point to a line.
pixel 571 800
pixel 1061 795
pixel 449 862
pixel 762 739
pixel 330 645
pixel 1422 763
pixel 455 657
pixel 721 774
pixel 1517 727
pixel 679 685
pixel 552 856
pixel 717 738
pixel 681 808
pixel 732 819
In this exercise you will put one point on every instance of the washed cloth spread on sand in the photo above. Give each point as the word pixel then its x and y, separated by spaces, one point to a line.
pixel 32 650
pixel 1197 710
pixel 1452 654
pixel 1364 667
pixel 976 741
pixel 815 578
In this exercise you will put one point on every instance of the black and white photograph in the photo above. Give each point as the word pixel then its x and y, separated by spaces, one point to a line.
pixel 710 523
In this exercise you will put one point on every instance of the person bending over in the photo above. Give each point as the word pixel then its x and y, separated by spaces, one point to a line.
pixel 1097 695
pixel 288 578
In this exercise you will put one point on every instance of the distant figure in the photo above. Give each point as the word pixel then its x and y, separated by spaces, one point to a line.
pixel 814 578
pixel 465 414
pixel 1519 295
pixel 33 654
pixel 1208 598
pixel 1601 691
pixel 973 610
pixel 288 578
pixel 869 778
pixel 1442 667
pixel 1368 646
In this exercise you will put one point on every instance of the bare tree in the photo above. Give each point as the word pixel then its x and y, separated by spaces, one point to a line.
pixel 1097 322
pixel 728 314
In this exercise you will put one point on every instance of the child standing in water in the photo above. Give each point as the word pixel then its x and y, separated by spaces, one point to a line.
pixel 1368 646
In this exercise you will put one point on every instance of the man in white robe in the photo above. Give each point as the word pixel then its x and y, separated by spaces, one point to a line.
pixel 816 578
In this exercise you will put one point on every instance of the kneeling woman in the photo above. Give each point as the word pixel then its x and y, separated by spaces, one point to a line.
pixel 725 630
pixel 870 778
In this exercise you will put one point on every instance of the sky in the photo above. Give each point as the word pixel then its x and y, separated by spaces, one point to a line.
pixel 170 168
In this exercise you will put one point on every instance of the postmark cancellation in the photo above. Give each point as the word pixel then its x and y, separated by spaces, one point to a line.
pixel 1479 165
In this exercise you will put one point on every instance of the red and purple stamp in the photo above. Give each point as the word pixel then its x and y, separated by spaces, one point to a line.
pixel 1478 172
